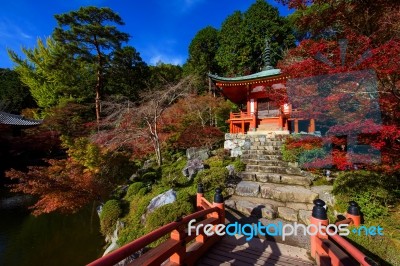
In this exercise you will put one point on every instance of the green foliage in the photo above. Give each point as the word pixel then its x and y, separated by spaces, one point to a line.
pixel 242 38
pixel 109 216
pixel 14 95
pixel 308 156
pixel 202 51
pixel 212 178
pixel 53 75
pixel 134 189
pixel 383 249
pixel 164 74
pixel 172 173
pixel 168 213
pixel 302 149
pixel 239 165
pixel 127 74
pixel 372 191
pixel 87 35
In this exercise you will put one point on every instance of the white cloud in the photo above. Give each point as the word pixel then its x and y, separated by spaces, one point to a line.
pixel 11 32
pixel 165 58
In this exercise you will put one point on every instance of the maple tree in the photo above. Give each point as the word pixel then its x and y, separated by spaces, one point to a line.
pixel 350 86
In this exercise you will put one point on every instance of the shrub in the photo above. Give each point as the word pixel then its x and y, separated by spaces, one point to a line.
pixel 308 156
pixel 239 165
pixel 212 178
pixel 168 213
pixel 372 191
pixel 295 146
pixel 134 189
pixel 109 216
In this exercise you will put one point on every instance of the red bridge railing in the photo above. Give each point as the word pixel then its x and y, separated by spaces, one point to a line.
pixel 328 247
pixel 182 247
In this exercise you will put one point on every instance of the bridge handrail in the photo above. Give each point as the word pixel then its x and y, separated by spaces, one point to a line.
pixel 127 250
pixel 319 217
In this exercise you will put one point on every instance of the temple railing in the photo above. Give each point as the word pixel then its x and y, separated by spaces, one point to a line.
pixel 328 247
pixel 176 249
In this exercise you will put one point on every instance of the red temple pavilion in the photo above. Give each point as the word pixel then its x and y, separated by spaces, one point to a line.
pixel 263 102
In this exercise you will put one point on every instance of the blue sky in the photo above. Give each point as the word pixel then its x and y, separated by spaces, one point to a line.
pixel 161 30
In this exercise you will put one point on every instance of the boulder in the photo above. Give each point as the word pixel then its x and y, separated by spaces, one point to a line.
pixel 192 168
pixel 201 153
pixel 231 170
pixel 161 200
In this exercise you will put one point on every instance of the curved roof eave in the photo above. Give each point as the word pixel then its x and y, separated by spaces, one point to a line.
pixel 258 75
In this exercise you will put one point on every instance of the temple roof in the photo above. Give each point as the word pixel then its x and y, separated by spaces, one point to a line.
pixel 258 75
pixel 17 120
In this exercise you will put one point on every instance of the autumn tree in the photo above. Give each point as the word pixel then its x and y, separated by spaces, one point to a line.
pixel 349 86
pixel 89 35
pixel 66 185
pixel 141 128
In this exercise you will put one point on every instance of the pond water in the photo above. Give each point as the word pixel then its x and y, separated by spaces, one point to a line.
pixel 51 239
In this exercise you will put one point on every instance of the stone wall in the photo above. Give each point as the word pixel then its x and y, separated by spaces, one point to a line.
pixel 236 143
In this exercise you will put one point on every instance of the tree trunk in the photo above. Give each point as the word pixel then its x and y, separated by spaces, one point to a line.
pixel 158 152
pixel 98 88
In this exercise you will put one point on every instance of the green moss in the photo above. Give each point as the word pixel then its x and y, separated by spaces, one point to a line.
pixel 168 213
pixel 109 216
pixel 134 189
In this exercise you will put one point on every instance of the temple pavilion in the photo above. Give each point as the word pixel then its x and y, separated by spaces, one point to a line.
pixel 262 99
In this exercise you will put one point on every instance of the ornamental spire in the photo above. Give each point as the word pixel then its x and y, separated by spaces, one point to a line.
pixel 267 55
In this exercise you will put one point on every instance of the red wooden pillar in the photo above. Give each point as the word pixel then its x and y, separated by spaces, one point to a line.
pixel 243 126
pixel 281 121
pixel 311 128
pixel 296 125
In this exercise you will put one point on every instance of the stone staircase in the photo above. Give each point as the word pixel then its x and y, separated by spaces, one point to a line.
pixel 270 187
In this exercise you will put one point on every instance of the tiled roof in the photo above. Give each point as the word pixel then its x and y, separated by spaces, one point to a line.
pixel 262 74
pixel 17 120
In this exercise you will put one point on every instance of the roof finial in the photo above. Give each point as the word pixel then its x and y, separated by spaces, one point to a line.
pixel 267 55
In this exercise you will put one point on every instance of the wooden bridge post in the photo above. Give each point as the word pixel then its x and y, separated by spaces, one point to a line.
pixel 353 213
pixel 179 256
pixel 318 218
pixel 199 196
pixel 219 203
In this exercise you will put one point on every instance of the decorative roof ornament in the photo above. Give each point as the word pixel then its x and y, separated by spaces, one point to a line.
pixel 267 55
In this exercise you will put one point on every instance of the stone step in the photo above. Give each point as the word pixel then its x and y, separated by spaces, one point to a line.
pixel 267 143
pixel 267 148
pixel 273 169
pixel 287 193
pixel 270 209
pixel 260 157
pixel 277 192
pixel 262 152
pixel 265 162
pixel 276 178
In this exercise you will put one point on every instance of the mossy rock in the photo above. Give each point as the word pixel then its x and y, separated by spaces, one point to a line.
pixel 109 216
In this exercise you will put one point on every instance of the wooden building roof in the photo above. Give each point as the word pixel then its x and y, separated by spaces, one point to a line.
pixel 236 89
pixel 17 120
